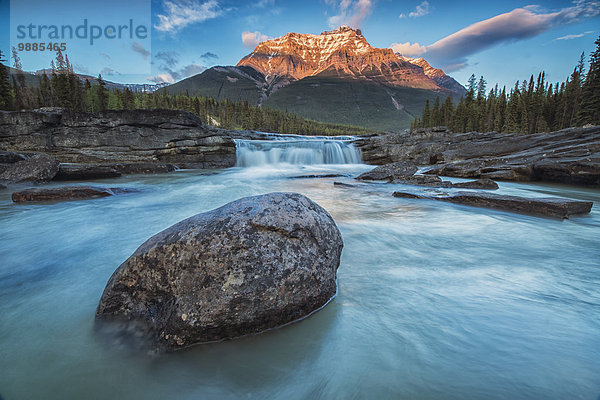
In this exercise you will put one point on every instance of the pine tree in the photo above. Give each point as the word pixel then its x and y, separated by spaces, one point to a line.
pixel 5 93
pixel 589 109
pixel 102 94
pixel 447 111
pixel 436 118
pixel 426 114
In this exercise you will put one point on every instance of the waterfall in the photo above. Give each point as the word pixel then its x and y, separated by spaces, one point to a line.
pixel 298 150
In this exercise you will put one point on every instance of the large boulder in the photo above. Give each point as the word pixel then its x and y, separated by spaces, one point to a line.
pixel 253 264
pixel 37 168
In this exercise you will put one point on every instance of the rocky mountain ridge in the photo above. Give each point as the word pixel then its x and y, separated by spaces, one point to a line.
pixel 342 52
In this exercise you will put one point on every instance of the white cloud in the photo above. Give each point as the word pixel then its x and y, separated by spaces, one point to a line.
pixel 451 52
pixel 422 9
pixel 252 39
pixel 161 78
pixel 181 13
pixel 408 49
pixel 574 36
pixel 350 12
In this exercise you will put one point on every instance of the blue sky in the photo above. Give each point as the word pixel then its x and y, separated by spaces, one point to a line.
pixel 502 40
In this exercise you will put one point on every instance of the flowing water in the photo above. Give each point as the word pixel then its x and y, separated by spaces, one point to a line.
pixel 435 300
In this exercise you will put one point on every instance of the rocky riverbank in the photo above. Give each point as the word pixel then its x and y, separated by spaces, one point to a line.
pixel 117 137
pixel 569 156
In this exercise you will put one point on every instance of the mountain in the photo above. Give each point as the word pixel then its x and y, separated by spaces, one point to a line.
pixel 436 74
pixel 336 76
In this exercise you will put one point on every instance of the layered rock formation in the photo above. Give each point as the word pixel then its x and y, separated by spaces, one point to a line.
pixel 253 264
pixel 569 156
pixel 117 137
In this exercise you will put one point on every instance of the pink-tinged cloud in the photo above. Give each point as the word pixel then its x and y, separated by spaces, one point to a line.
pixel 252 39
pixel 408 49
pixel 451 53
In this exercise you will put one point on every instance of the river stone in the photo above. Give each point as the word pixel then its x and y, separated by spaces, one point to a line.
pixel 66 193
pixel 37 168
pixel 254 264
pixel 483 183
pixel 390 172
pixel 84 172
pixel 547 207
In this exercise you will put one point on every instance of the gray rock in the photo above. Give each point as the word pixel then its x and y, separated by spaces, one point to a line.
pixel 144 168
pixel 60 193
pixel 317 176
pixel 568 156
pixel 550 207
pixel 389 172
pixel 423 180
pixel 37 168
pixel 7 157
pixel 254 264
pixel 66 193
pixel 84 172
pixel 342 184
pixel 483 183
pixel 118 136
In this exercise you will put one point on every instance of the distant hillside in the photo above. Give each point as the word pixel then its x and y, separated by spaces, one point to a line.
pixel 33 79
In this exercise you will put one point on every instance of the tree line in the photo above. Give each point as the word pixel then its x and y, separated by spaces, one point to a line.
pixel 531 106
pixel 67 90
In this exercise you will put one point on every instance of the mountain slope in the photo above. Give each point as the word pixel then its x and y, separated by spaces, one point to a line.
pixel 352 102
pixel 336 76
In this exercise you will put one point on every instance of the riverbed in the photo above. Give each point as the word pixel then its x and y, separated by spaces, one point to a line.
pixel 435 300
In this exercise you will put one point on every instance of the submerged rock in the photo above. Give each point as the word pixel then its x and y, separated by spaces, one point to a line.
pixel 254 264
pixel 36 168
pixel 424 180
pixel 483 183
pixel 76 172
pixel 82 172
pixel 65 193
pixel 390 172
pixel 144 168
pixel 552 207
pixel 317 176
pixel 342 184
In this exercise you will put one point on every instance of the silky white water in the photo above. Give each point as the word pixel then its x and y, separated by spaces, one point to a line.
pixel 292 150
pixel 435 300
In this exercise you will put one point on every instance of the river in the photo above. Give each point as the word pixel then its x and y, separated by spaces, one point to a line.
pixel 435 300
